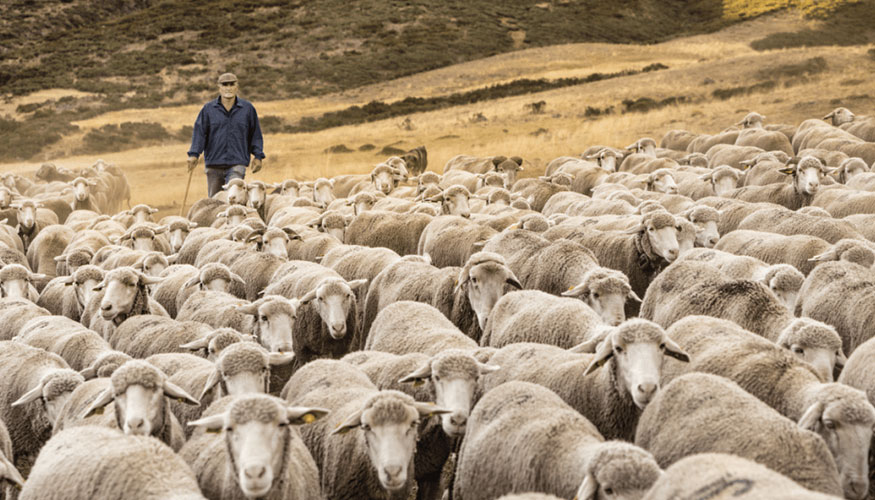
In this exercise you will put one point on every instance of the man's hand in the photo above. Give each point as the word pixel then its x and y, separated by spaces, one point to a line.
pixel 255 165
pixel 192 162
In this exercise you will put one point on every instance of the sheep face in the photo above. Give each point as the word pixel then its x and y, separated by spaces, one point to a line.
pixel 274 322
pixel 606 292
pixel 257 431
pixel 154 264
pixel 334 299
pixel 142 213
pixel 662 182
pixel 427 179
pixel 454 375
pixel 619 471
pixel 806 175
pixel 84 289
pixel 663 240
pixel 843 417
pixel 509 169
pixel 275 244
pixel 244 368
pixel 15 288
pixel 177 234
pixel 385 178
pixel 851 168
pixel 389 421
pixel 607 160
pixel 81 188
pixel 236 190
pixel 363 204
pixel 55 389
pixel 256 194
pixel 816 343
pixel 638 347
pixel 26 214
pixel 5 197
pixel 840 116
pixel 123 286
pixel 486 283
pixel 822 359
pixel 707 233
pixel 323 193
pixel 454 201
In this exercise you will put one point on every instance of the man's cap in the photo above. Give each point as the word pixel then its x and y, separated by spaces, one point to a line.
pixel 227 77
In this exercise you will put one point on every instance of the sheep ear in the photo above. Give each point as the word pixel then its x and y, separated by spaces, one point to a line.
pixel 588 490
pixel 29 396
pixel 299 415
pixel 828 255
pixel 705 177
pixel 280 358
pixel 603 353
pixel 587 346
pixel 213 423
pixel 96 407
pixel 427 410
pixel 196 345
pixel 172 390
pixel 192 225
pixel 237 279
pixel 419 376
pixel 160 229
pixel 514 282
pixel 88 373
pixel 248 308
pixel 192 282
pixel 486 369
pixel 674 351
pixel 9 473
pixel 67 280
pixel 212 381
pixel 356 284
pixel 634 230
pixel 172 258
pixel 150 280
pixel 788 170
pixel 349 424
pixel 576 291
pixel 811 417
pixel 634 296
pixel 308 297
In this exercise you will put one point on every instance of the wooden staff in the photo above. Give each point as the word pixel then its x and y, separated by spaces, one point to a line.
pixel 185 198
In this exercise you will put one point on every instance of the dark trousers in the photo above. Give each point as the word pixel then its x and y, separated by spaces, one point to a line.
pixel 218 176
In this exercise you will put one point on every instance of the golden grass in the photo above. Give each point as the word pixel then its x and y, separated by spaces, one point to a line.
pixel 741 9
pixel 158 176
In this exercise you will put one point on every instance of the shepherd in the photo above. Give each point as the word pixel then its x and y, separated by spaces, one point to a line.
pixel 228 133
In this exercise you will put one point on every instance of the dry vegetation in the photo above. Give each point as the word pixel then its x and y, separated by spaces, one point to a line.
pixel 699 66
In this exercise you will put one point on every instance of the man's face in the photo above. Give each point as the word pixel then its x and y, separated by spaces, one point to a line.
pixel 228 90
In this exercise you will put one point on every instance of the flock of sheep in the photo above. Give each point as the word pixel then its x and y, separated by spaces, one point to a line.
pixel 684 321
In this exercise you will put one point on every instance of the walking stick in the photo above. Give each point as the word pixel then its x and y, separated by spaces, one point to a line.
pixel 185 198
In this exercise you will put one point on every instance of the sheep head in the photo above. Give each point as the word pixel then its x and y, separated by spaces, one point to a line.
pixel 484 279
pixel 816 343
pixel 606 292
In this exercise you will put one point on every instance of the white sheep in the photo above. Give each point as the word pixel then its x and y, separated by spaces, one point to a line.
pixel 522 437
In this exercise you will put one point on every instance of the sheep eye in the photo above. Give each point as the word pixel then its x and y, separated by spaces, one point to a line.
pixel 414 424
pixel 609 491
pixel 366 427
pixel 678 228
pixel 829 424
pixel 437 378
pixel 229 429
pixel 618 349
pixel 650 229
pixel 798 350
pixel 595 295
pixel 662 347
pixel 263 318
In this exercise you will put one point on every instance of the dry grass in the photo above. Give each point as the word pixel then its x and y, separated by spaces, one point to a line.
pixel 724 59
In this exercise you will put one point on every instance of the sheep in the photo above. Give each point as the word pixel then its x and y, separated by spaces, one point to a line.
pixel 719 181
pixel 32 375
pixel 48 244
pixel 796 250
pixel 732 211
pixel 327 314
pixel 323 192
pixel 639 253
pixel 465 296
pixel 782 279
pixel 173 279
pixel 837 293
pixel 816 343
pixel 729 474
pixel 146 334
pixel 448 378
pixel 535 316
pixel 135 467
pixel 730 154
pixel 83 196
pixel 79 346
pixel 397 232
pixel 8 473
pixel 121 295
pixel 807 173
pixel 217 309
pixel 260 456
pixel 704 413
pixel 203 212
pixel 539 190
pixel 450 240
pixel 435 333
pixel 688 288
pixel 351 445
pixel 331 222
pixel 765 168
pixel 16 312
pixel 839 414
pixel 522 437
pixel 782 221
pixel 585 174
pixel 137 215
pixel 705 219
pixel 857 374
pixel 17 282
pixel 841 202
pixel 767 140
pixel 137 390
pixel 178 229
pixel 677 139
pixel 105 364
pixel 611 398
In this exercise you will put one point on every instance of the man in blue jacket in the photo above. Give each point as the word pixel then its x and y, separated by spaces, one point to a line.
pixel 227 132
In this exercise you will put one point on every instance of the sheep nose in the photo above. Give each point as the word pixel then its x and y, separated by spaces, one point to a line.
pixel 466 215
pixel 284 348
pixel 712 241
pixel 105 307
pixel 392 471
pixel 255 471
pixel 647 389
pixel 672 253
pixel 136 424
pixel 459 419
pixel 858 489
